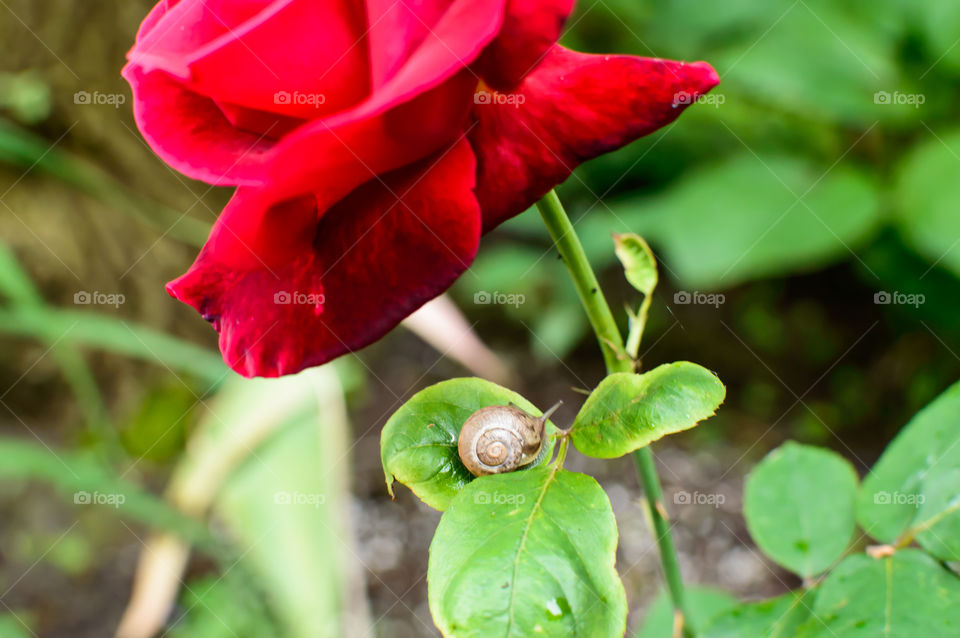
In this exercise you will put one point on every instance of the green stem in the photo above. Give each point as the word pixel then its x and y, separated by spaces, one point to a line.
pixel 604 325
pixel 616 360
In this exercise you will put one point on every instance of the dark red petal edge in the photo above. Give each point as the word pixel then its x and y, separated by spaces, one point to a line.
pixel 572 108
pixel 349 278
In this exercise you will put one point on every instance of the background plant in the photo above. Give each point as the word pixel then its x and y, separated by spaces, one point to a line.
pixel 798 340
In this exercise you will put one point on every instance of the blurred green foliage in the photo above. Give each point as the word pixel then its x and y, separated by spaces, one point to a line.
pixel 823 169
pixel 830 139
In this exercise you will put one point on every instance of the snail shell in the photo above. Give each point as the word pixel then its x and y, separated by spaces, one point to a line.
pixel 501 438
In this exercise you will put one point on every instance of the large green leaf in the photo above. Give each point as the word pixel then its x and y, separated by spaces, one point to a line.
pixel 526 554
pixel 907 594
pixel 418 445
pixel 774 618
pixel 927 196
pixel 628 411
pixel 275 454
pixel 703 604
pixel 853 62
pixel 912 489
pixel 799 503
pixel 714 236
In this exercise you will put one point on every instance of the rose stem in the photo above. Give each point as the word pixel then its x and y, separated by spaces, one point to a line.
pixel 611 344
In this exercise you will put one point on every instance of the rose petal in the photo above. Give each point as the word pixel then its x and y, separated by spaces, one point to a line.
pixel 414 113
pixel 572 108
pixel 530 28
pixel 416 46
pixel 192 135
pixel 340 153
pixel 370 261
pixel 159 10
pixel 298 58
pixel 395 30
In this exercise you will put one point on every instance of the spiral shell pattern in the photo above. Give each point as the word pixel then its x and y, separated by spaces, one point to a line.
pixel 498 447
pixel 499 438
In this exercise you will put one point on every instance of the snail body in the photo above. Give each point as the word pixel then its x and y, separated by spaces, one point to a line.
pixel 501 438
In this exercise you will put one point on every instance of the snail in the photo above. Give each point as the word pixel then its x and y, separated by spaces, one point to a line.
pixel 502 438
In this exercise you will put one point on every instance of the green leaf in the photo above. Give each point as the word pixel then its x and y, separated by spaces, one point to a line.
pixel 941 22
pixel 927 192
pixel 221 607
pixel 273 454
pixel 16 625
pixel 714 237
pixel 628 411
pixel 937 523
pixel 159 430
pixel 703 604
pixel 799 503
pixel 418 445
pixel 754 45
pixel 774 618
pixel 526 554
pixel 639 264
pixel 17 286
pixel 86 482
pixel 15 283
pixel 115 335
pixel 913 487
pixel 907 594
pixel 857 61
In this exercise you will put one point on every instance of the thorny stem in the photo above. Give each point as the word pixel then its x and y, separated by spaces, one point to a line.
pixel 616 359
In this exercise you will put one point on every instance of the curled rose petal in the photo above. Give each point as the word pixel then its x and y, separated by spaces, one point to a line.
pixel 204 43
pixel 220 95
pixel 571 108
pixel 348 276
pixel 530 29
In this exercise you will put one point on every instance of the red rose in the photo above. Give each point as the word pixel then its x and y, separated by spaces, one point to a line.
pixel 372 143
